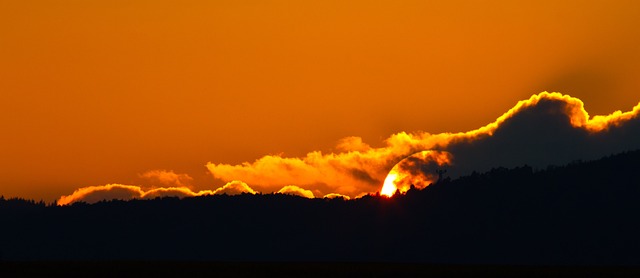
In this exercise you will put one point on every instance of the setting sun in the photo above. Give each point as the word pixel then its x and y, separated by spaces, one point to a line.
pixel 401 177
pixel 389 187
pixel 319 137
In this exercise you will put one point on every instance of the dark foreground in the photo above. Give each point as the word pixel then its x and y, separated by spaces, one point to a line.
pixel 582 214
pixel 209 269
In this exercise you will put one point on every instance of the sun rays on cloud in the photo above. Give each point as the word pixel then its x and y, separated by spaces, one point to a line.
pixel 545 129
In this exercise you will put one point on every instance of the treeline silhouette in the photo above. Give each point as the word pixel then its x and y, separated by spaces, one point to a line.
pixel 584 213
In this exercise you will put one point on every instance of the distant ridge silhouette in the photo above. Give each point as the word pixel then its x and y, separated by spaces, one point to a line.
pixel 583 213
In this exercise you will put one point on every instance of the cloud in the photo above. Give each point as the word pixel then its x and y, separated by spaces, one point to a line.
pixel 173 192
pixel 548 128
pixel 336 195
pixel 168 177
pixel 419 169
pixel 348 173
pixel 94 194
pixel 352 143
pixel 235 188
pixel 294 190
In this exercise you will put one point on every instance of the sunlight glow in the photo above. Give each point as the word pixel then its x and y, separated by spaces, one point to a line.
pixel 400 178
pixel 389 187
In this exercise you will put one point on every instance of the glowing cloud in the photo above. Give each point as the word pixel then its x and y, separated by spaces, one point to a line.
pixel 357 168
pixel 173 192
pixel 294 190
pixel 352 143
pixel 94 194
pixel 547 128
pixel 168 177
pixel 336 195
pixel 235 188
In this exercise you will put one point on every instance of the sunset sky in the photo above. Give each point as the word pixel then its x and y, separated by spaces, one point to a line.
pixel 103 92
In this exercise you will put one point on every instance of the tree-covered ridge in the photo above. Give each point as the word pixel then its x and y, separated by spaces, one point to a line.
pixel 580 213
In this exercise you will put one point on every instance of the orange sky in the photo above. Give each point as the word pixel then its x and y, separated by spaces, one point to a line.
pixel 99 92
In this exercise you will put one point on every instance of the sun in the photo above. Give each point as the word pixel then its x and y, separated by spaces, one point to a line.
pixel 400 178
pixel 389 186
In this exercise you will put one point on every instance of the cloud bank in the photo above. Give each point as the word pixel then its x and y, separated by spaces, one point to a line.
pixel 294 190
pixel 547 128
pixel 94 194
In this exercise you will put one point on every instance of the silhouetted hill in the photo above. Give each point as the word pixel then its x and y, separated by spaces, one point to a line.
pixel 581 213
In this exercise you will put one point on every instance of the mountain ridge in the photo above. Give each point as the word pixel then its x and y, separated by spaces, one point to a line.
pixel 578 214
